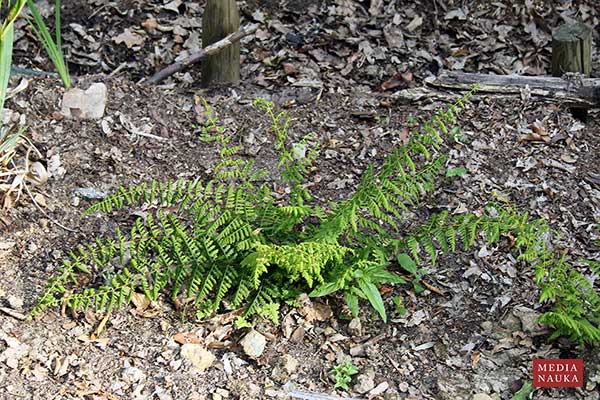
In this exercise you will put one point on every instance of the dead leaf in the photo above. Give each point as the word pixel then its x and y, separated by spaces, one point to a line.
pixel 536 126
pixel 289 69
pixel 140 301
pixel 316 312
pixel 150 24
pixel 187 337
pixel 415 23
pixel 129 38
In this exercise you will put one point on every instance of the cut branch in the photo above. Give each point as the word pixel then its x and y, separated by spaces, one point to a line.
pixel 197 57
pixel 572 90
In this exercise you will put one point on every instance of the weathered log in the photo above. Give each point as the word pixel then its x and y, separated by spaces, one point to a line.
pixel 199 56
pixel 572 90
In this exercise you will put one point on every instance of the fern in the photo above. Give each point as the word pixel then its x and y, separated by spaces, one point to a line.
pixel 227 243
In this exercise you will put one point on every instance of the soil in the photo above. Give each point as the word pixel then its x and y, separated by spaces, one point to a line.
pixel 473 335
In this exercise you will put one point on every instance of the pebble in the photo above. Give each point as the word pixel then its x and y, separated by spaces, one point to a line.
pixel 253 344
pixel 365 382
pixel 15 302
pixel 132 374
pixel 89 193
pixel 197 355
pixel 379 389
pixel 85 104
pixel 290 364
pixel 355 327
pixel 481 396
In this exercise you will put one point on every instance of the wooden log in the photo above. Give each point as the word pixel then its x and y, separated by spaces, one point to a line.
pixel 572 49
pixel 570 90
pixel 199 56
pixel 221 18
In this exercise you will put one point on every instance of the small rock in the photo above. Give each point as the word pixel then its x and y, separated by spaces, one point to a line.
pixel 379 389
pixel 355 327
pixel 487 326
pixel 131 374
pixel 482 396
pixel 403 387
pixel 89 193
pixel 253 344
pixel 85 104
pixel 357 351
pixel 290 364
pixel 365 382
pixel 15 302
pixel 197 355
pixel 299 151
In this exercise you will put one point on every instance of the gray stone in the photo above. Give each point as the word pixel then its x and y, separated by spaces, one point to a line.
pixel 379 389
pixel 290 364
pixel 253 344
pixel 365 382
pixel 85 104
pixel 355 327
pixel 133 374
pixel 197 355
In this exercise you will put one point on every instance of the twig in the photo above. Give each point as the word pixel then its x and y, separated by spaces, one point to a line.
pixel 207 51
pixel 433 288
pixel 44 212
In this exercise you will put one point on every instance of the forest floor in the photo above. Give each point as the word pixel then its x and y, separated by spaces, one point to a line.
pixel 335 67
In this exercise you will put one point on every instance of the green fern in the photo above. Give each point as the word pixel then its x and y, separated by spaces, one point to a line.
pixel 227 243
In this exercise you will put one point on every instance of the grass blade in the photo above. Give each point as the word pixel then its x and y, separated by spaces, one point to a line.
pixel 6 44
pixel 53 47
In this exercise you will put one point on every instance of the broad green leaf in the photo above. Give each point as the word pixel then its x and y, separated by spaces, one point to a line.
pixel 325 289
pixel 407 263
pixel 383 276
pixel 374 297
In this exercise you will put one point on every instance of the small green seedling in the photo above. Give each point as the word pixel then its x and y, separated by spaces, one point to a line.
pixel 459 171
pixel 342 374
pixel 400 307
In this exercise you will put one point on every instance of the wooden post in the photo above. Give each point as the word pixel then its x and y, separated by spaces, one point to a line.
pixel 221 18
pixel 572 52
pixel 572 49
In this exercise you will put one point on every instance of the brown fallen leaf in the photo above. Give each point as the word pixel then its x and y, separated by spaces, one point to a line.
pixel 533 137
pixel 140 301
pixel 150 24
pixel 536 126
pixel 289 69
pixel 129 38
pixel 187 337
